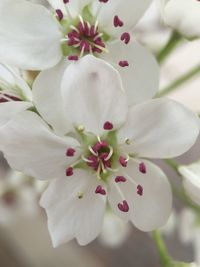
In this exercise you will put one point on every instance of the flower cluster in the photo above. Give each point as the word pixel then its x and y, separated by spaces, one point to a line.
pixel 88 124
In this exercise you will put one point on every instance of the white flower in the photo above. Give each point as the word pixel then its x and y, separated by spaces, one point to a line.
pixel 189 231
pixel 191 181
pixel 33 37
pixel 183 16
pixel 15 94
pixel 94 151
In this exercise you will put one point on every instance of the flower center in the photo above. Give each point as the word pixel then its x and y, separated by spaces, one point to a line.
pixel 85 38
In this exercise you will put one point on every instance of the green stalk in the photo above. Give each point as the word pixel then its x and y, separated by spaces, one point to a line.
pixel 169 47
pixel 165 259
pixel 180 81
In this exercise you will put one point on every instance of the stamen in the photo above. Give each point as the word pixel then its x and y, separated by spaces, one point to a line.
pixel 123 63
pixel 142 168
pixel 70 152
pixel 69 171
pixel 125 37
pixel 73 57
pixel 92 151
pixel 123 161
pixel 108 126
pixel 110 154
pixel 120 179
pixel 59 14
pixel 100 190
pixel 140 190
pixel 117 22
pixel 124 207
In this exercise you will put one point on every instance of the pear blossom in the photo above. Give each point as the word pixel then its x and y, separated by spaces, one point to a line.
pixel 36 38
pixel 182 16
pixel 191 180
pixel 15 94
pixel 94 149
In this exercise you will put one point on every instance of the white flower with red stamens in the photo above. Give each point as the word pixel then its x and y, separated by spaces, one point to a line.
pixel 191 180
pixel 15 94
pixel 183 16
pixel 33 37
pixel 96 150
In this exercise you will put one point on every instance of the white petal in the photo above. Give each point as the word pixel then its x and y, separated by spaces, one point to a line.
pixel 70 216
pixel 30 147
pixel 9 109
pixel 93 95
pixel 151 210
pixel 12 78
pixel 74 7
pixel 129 11
pixel 47 97
pixel 191 181
pixel 183 16
pixel 29 35
pixel 160 128
pixel 141 77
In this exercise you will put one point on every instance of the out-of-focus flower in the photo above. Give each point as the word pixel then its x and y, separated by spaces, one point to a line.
pixel 99 149
pixel 18 197
pixel 191 180
pixel 36 38
pixel 189 230
pixel 182 16
pixel 114 231
pixel 15 94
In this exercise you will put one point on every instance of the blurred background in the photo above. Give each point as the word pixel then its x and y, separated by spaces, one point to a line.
pixel 24 237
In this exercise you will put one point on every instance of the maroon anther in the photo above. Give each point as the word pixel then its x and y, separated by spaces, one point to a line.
pixel 69 171
pixel 100 190
pixel 125 37
pixel 99 145
pixel 124 207
pixel 73 57
pixel 123 63
pixel 117 22
pixel 6 98
pixel 65 1
pixel 120 179
pixel 70 152
pixel 123 161
pixel 103 1
pixel 142 168
pixel 140 190
pixel 108 126
pixel 59 14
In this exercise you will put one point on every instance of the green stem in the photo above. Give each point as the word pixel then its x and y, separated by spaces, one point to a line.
pixel 165 259
pixel 170 46
pixel 180 81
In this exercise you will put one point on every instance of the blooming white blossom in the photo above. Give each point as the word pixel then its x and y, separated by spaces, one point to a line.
pixel 183 16
pixel 15 94
pixel 34 37
pixel 95 151
pixel 191 180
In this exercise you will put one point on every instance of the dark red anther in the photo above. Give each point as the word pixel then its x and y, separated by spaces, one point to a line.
pixel 108 126
pixel 100 190
pixel 70 152
pixel 140 190
pixel 117 22
pixel 123 63
pixel 124 207
pixel 69 171
pixel 125 37
pixel 120 179
pixel 142 168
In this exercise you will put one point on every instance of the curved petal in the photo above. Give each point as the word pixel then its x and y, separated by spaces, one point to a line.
pixel 129 12
pixel 74 7
pixel 141 77
pixel 29 35
pixel 92 94
pixel 183 17
pixel 47 97
pixel 9 109
pixel 152 209
pixel 73 208
pixel 30 147
pixel 191 181
pixel 159 128
pixel 11 77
